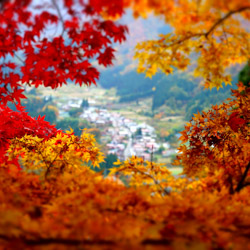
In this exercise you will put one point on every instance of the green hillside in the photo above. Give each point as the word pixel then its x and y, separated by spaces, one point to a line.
pixel 177 92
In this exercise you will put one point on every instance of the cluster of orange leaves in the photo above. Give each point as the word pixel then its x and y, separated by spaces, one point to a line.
pixel 217 143
pixel 57 200
pixel 213 32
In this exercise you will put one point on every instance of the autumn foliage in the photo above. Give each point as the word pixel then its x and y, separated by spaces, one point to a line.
pixel 211 32
pixel 50 195
pixel 218 143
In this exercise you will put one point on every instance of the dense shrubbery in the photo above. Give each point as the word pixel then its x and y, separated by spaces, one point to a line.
pixel 49 195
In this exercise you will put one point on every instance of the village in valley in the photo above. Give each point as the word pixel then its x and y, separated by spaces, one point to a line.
pixel 124 137
pixel 121 135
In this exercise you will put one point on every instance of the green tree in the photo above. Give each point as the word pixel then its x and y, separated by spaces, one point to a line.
pixel 50 115
pixel 109 161
pixel 244 75
pixel 67 123
pixel 34 105
pixel 85 103
pixel 75 112
pixel 138 132
pixel 76 124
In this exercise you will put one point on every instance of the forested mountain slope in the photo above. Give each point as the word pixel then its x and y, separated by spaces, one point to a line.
pixel 179 91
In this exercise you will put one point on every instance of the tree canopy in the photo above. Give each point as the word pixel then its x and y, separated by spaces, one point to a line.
pixel 51 197
pixel 212 32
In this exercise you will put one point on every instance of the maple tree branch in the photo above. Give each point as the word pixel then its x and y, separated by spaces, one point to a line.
pixel 156 242
pixel 246 184
pixel 52 162
pixel 73 242
pixel 2 4
pixel 185 39
pixel 157 183
pixel 213 27
pixel 19 58
pixel 59 14
pixel 241 184
pixel 47 241
pixel 221 20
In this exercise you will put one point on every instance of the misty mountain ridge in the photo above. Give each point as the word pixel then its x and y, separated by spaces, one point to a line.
pixel 179 91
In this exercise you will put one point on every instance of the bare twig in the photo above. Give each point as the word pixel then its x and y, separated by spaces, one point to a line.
pixel 157 183
pixel 19 58
pixel 241 184
pixel 59 14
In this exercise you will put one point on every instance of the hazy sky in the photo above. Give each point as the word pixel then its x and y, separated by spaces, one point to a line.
pixel 139 30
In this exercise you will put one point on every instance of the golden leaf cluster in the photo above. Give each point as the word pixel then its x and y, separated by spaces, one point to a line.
pixel 214 34
pixel 64 152
pixel 217 143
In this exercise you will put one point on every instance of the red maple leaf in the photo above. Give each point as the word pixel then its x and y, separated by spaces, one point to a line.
pixel 235 121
